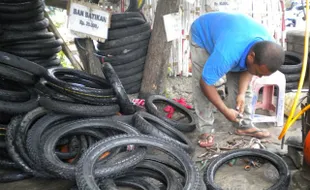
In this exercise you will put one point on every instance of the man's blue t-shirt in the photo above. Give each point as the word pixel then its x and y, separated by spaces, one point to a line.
pixel 228 38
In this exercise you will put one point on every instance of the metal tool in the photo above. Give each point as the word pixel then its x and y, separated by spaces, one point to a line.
pixel 251 164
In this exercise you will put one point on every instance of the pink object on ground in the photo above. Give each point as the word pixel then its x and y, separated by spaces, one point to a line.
pixel 170 110
pixel 268 83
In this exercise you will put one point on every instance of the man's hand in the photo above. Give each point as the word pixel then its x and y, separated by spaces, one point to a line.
pixel 240 103
pixel 231 115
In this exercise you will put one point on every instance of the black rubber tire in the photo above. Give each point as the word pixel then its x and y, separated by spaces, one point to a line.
pixel 166 176
pixel 215 164
pixel 10 138
pixel 136 182
pixel 20 107
pixel 127 66
pixel 292 77
pixel 90 100
pixel 22 64
pixel 121 16
pixel 14 7
pixel 16 1
pixel 130 72
pixel 144 122
pixel 41 59
pixel 30 14
pixel 185 127
pixel 13 96
pixel 104 92
pixel 124 58
pixel 83 135
pixel 133 90
pixel 44 52
pixel 8 164
pixel 128 31
pixel 28 120
pixel 13 92
pixel 124 49
pixel 35 134
pixel 67 96
pixel 5 119
pixel 66 155
pixel 126 22
pixel 125 104
pixel 33 46
pixel 31 41
pixel 131 79
pixel 135 5
pixel 84 173
pixel 133 84
pixel 15 176
pixel 292 64
pixel 44 89
pixel 291 85
pixel 78 109
pixel 124 41
pixel 11 37
pixel 71 79
pixel 17 75
pixel 29 26
pixel 172 164
pixel 67 171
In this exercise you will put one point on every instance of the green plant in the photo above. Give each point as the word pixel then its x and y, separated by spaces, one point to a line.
pixel 64 61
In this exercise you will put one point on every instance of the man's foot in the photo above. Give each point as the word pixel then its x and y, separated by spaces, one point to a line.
pixel 206 140
pixel 253 132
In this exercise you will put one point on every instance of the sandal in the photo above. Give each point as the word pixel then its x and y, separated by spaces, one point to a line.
pixel 206 140
pixel 258 133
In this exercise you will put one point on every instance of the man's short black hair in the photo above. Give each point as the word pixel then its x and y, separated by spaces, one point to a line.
pixel 270 54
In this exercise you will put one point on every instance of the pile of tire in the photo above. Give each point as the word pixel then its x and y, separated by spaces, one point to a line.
pixel 74 130
pixel 23 32
pixel 292 69
pixel 126 48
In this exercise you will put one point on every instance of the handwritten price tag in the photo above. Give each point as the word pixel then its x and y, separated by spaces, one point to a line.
pixel 172 24
pixel 88 20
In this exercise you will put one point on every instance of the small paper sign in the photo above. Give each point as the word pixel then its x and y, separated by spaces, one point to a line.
pixel 88 20
pixel 172 24
pixel 191 1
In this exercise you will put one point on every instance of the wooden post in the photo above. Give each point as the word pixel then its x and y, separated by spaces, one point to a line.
pixel 86 49
pixel 156 64
pixel 65 48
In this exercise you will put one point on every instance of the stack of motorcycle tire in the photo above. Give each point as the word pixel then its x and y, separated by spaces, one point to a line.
pixel 291 69
pixel 61 119
pixel 126 48
pixel 24 32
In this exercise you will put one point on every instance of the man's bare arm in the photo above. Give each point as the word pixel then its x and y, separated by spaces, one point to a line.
pixel 211 93
pixel 244 81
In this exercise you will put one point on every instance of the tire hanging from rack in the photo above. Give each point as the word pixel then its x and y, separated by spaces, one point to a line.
pixel 126 46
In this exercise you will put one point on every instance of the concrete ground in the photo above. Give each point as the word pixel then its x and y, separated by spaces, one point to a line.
pixel 230 178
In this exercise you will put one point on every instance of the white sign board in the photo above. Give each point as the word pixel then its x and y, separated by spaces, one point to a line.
pixel 88 20
pixel 172 24
pixel 191 1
